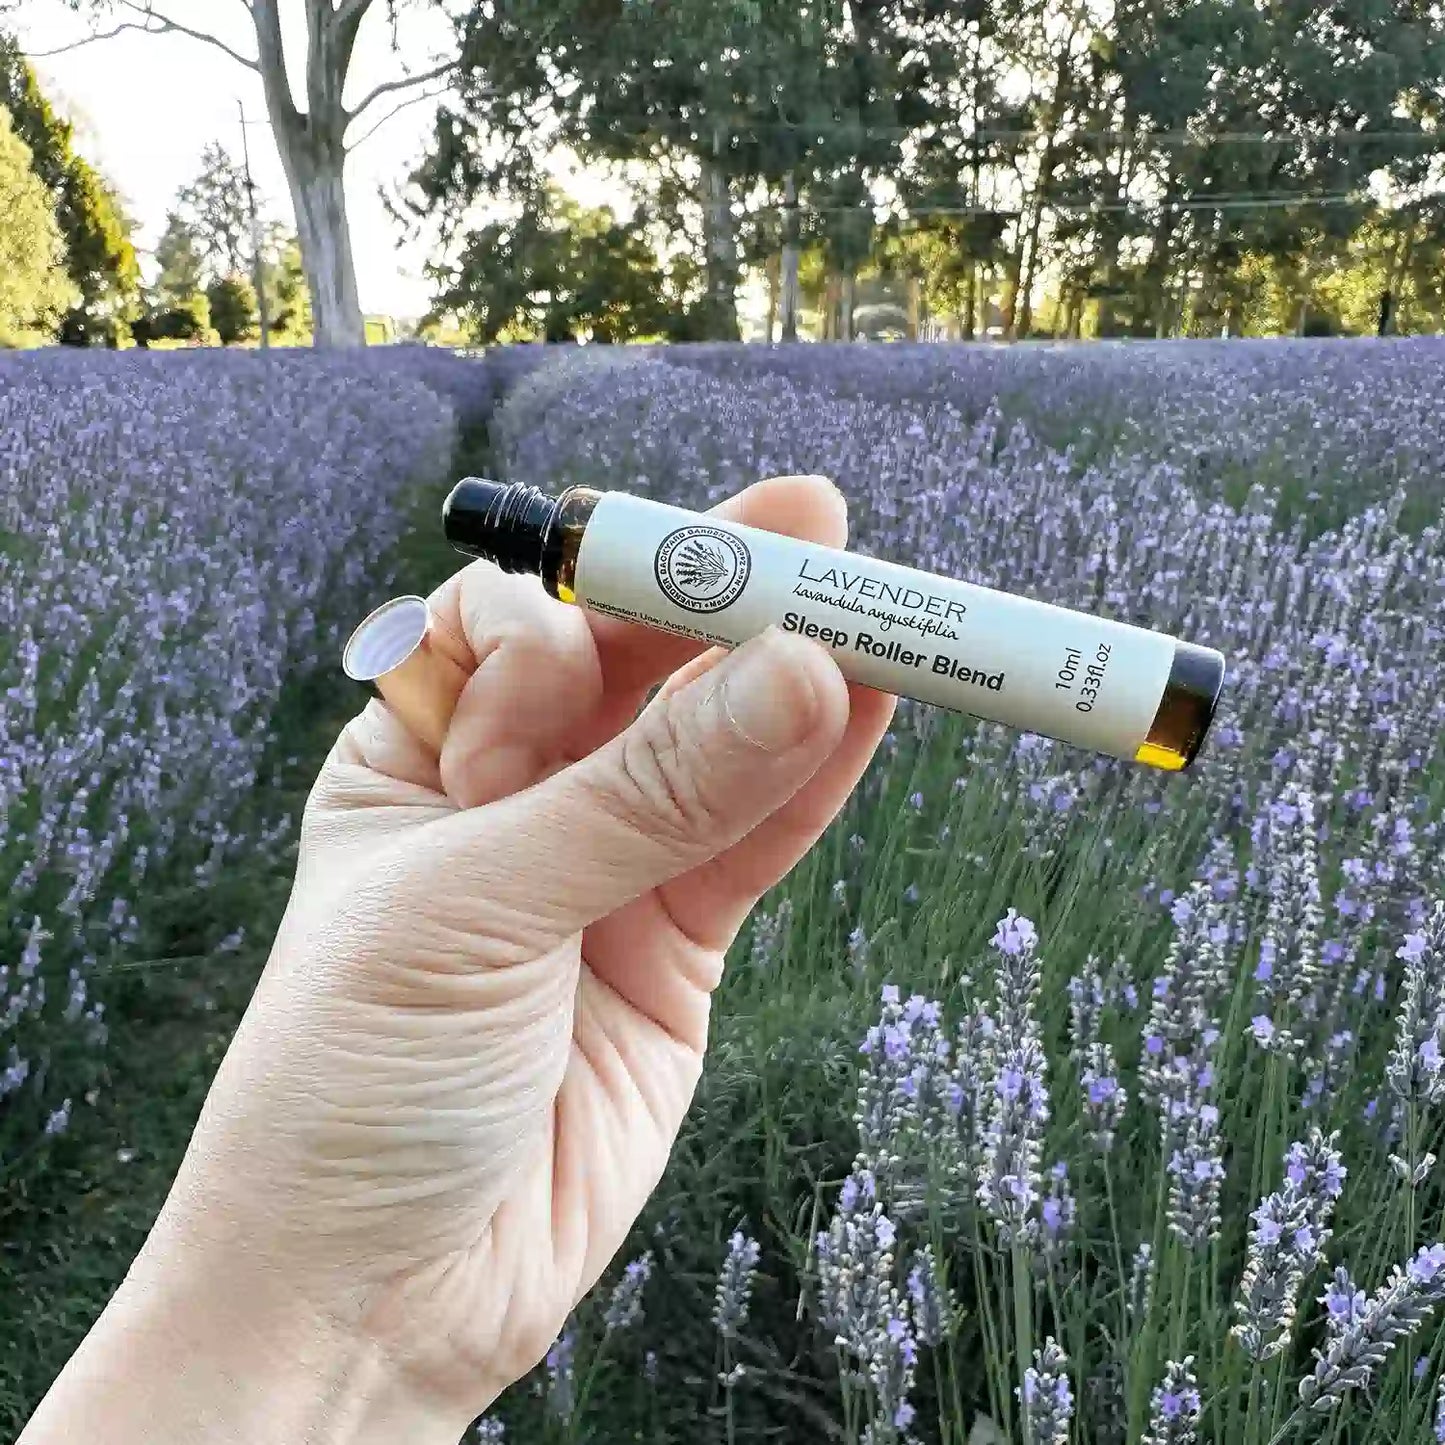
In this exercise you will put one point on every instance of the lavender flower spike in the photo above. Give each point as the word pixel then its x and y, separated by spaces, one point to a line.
pixel 1416 1066
pixel 1009 1167
pixel 624 1308
pixel 1286 1244
pixel 561 1373
pixel 1174 1406
pixel 735 1284
pixel 1046 1399
pixel 1395 1311
pixel 490 1431
pixel 934 1308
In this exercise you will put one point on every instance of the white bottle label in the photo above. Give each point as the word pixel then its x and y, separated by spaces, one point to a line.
pixel 1032 665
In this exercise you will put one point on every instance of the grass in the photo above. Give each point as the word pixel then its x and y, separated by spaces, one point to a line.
pixel 68 1236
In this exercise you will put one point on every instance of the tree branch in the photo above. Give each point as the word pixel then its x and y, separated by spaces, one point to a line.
pixel 349 10
pixel 77 44
pixel 404 83
pixel 273 67
pixel 153 23
pixel 400 106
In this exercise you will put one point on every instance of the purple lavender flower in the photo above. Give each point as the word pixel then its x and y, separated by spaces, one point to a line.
pixel 934 1309
pixel 1174 1406
pixel 1286 1244
pixel 624 1306
pixel 1416 1067
pixel 906 1106
pixel 561 1373
pixel 735 1284
pixel 770 936
pixel 1288 969
pixel 1009 1183
pixel 1344 1303
pixel 1046 1398
pixel 1352 1355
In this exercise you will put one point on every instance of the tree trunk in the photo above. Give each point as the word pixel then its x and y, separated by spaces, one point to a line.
pixel 1011 286
pixel 1154 291
pixel 319 197
pixel 915 307
pixel 772 267
pixel 970 300
pixel 720 242
pixel 850 287
pixel 313 155
pixel 790 259
pixel 1389 298
pixel 1021 312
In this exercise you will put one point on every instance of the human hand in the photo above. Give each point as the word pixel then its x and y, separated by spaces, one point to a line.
pixel 484 1016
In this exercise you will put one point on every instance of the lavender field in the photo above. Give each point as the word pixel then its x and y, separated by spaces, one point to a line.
pixel 1054 1100
pixel 179 537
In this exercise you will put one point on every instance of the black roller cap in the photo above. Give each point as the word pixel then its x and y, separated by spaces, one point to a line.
pixel 503 523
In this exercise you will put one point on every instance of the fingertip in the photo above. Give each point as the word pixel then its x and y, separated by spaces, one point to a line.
pixel 805 506
pixel 781 692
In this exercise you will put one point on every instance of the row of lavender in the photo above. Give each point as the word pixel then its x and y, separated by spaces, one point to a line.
pixel 1160 1163
pixel 1321 421
pixel 181 536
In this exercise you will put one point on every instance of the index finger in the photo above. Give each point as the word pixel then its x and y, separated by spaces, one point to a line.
pixel 635 658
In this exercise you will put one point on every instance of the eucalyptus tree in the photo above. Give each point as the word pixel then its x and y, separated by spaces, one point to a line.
pixel 313 122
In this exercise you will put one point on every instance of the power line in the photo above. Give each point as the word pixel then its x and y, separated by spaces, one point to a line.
pixel 1193 203
pixel 739 126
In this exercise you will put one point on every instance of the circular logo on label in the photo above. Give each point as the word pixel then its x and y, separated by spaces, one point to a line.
pixel 702 569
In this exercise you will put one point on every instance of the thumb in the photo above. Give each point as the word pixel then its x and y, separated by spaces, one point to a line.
pixel 696 771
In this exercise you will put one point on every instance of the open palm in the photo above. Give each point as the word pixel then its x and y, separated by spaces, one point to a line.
pixel 486 1011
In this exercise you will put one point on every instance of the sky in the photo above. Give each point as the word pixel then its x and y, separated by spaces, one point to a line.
pixel 145 105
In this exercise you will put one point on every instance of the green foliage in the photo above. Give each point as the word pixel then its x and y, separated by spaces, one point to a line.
pixel 35 290
pixel 1129 169
pixel 180 261
pixel 559 272
pixel 287 295
pixel 232 302
pixel 99 255
pixel 215 211
pixel 188 319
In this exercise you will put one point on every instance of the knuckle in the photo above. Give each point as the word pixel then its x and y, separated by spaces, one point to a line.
pixel 661 788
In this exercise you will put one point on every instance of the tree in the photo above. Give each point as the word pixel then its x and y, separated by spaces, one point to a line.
pixel 313 141
pixel 559 272
pixel 216 212
pixel 284 277
pixel 99 255
pixel 35 289
pixel 735 106
pixel 181 266
pixel 232 302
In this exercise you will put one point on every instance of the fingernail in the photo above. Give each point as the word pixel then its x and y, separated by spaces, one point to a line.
pixel 768 692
